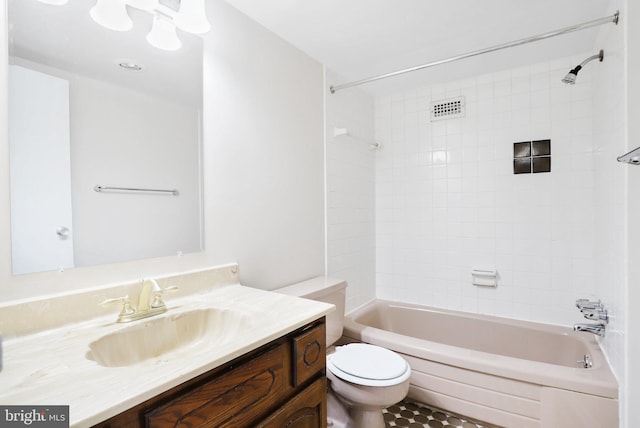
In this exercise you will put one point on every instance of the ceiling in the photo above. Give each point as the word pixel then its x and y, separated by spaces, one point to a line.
pixel 354 38
pixel 66 38
pixel 362 38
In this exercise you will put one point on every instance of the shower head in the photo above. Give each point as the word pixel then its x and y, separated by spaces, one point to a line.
pixel 571 76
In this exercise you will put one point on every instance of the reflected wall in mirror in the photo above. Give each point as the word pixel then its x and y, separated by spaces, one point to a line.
pixel 81 115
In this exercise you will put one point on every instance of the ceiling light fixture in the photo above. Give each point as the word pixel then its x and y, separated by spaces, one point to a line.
pixel 190 17
pixel 163 34
pixel 112 14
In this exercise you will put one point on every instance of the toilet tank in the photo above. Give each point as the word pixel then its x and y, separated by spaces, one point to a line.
pixel 323 289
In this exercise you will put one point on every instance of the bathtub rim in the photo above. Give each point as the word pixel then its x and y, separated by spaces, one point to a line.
pixel 598 380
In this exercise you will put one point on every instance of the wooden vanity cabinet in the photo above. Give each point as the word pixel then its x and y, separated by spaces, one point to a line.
pixel 281 384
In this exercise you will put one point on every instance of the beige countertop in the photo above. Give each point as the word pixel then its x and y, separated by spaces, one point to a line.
pixel 54 367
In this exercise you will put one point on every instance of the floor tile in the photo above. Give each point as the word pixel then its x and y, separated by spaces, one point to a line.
pixel 415 415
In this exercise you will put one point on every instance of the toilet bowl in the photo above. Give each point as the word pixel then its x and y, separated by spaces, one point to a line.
pixel 367 378
pixel 363 378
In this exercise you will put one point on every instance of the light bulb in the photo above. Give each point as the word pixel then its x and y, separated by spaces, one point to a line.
pixel 163 35
pixel 112 14
pixel 191 17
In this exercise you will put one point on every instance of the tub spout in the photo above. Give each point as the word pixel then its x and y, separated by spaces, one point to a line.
pixel 598 329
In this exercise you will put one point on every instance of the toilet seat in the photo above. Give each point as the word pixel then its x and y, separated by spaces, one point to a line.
pixel 368 365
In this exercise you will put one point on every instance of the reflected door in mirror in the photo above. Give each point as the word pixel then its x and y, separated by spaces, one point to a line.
pixel 40 174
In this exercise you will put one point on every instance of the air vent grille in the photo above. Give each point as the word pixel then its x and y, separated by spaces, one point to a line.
pixel 447 109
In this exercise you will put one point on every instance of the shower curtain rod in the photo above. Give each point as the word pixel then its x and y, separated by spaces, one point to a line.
pixel 613 18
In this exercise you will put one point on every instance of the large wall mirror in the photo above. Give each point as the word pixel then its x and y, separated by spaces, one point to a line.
pixel 90 107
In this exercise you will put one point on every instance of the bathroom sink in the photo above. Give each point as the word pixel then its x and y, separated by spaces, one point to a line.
pixel 168 335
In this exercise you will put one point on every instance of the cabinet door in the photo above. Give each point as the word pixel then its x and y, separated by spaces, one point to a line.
pixel 234 399
pixel 306 410
pixel 309 354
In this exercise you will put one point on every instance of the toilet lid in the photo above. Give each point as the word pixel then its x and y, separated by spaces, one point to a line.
pixel 361 363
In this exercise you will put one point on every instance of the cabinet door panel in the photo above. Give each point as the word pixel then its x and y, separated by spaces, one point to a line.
pixel 309 354
pixel 233 400
pixel 306 410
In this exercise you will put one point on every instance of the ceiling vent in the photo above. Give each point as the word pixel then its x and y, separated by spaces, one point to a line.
pixel 447 109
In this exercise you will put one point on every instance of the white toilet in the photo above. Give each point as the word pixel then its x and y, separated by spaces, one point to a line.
pixel 364 378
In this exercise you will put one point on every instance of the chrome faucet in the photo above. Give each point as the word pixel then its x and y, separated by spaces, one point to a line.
pixel 596 314
pixel 586 304
pixel 597 329
pixel 593 310
pixel 150 302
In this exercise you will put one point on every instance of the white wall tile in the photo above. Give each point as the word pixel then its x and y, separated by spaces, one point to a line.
pixel 480 212
pixel 350 182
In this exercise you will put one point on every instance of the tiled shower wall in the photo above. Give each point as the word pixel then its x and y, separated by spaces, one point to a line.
pixel 447 200
pixel 609 92
pixel 350 191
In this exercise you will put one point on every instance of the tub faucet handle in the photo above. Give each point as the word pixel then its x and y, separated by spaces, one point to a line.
pixel 583 304
pixel 596 314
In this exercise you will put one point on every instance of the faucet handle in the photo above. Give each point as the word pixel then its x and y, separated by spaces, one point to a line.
pixel 583 304
pixel 596 314
pixel 127 309
pixel 157 298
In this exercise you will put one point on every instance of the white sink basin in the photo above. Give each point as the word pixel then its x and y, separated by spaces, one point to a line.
pixel 168 334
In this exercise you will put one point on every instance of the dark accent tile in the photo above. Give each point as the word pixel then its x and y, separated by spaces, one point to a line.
pixel 439 416
pixel 425 411
pixel 421 419
pixel 394 409
pixel 542 164
pixel 406 413
pixel 522 166
pixel 541 148
pixel 456 422
pixel 522 150
pixel 411 406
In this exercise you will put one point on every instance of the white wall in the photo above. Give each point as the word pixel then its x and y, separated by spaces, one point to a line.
pixel 264 153
pixel 447 199
pixel 263 162
pixel 351 191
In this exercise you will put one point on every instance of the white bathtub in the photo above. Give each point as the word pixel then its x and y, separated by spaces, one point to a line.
pixel 505 372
